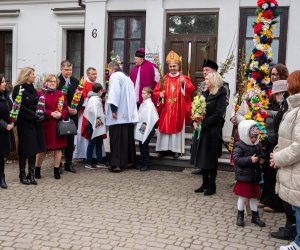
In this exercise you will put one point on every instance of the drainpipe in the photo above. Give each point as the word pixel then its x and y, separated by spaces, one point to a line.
pixel 81 4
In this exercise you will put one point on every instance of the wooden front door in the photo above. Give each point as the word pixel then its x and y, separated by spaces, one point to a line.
pixel 188 35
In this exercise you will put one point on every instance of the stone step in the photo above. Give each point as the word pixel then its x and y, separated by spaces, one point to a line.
pixel 170 164
pixel 182 162
pixel 152 145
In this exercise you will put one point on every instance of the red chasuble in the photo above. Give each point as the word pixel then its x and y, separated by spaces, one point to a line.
pixel 177 104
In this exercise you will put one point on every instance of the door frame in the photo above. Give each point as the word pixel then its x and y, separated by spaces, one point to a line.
pixel 191 38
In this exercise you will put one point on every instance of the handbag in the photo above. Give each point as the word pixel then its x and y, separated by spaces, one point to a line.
pixel 66 127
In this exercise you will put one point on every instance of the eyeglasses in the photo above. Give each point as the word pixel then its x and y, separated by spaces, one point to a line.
pixel 52 81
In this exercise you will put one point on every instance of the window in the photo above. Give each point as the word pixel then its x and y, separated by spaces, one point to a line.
pixel 192 24
pixel 75 51
pixel 126 34
pixel 6 54
pixel 248 17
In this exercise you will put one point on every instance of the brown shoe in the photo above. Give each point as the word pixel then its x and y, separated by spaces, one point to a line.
pixel 260 205
pixel 269 210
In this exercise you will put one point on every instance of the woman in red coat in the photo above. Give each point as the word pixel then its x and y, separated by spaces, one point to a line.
pixel 55 109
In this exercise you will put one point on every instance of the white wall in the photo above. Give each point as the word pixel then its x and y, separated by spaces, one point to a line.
pixel 38 35
pixel 226 39
pixel 155 38
pixel 293 39
pixel 95 47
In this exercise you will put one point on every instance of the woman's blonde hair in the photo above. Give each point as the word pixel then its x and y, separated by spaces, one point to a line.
pixel 23 75
pixel 49 77
pixel 216 81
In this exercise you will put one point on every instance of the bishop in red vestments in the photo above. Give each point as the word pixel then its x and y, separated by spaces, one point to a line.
pixel 174 107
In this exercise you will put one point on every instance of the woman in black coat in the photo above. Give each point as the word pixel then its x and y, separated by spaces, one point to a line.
pixel 6 133
pixel 205 150
pixel 29 127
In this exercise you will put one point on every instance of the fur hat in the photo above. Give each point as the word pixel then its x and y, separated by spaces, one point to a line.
pixel 279 86
pixel 210 63
pixel 140 53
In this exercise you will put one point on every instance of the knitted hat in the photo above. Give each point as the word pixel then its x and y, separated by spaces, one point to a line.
pixel 140 53
pixel 253 130
pixel 279 86
pixel 210 63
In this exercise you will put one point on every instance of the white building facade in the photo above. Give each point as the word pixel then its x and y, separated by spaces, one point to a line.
pixel 40 34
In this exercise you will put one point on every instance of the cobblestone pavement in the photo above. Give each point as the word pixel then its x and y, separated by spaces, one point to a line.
pixel 96 209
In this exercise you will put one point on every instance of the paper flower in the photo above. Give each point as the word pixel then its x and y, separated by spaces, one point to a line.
pixel 198 111
pixel 16 106
pixel 258 89
pixel 77 95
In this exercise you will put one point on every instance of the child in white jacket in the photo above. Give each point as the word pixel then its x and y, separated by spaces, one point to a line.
pixel 95 125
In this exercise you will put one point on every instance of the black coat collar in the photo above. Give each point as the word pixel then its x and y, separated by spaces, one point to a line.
pixel 221 91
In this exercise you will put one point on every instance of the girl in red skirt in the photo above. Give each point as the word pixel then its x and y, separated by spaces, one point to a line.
pixel 247 159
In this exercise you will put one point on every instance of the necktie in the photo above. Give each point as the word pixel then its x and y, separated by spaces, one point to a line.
pixel 68 82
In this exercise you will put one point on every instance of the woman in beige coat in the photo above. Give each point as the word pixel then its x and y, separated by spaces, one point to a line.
pixel 286 156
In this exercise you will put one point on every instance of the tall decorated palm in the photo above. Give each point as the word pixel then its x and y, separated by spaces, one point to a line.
pixel 258 82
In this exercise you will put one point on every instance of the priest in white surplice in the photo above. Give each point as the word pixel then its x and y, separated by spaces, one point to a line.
pixel 121 116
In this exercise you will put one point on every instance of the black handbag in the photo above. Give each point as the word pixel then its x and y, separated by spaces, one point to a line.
pixel 66 127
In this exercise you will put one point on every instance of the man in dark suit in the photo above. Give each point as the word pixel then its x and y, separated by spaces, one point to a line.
pixel 66 78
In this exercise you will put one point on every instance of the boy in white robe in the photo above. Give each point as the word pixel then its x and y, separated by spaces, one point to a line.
pixel 95 125
pixel 145 128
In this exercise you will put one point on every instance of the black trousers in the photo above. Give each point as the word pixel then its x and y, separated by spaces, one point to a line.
pixel 2 164
pixel 144 149
pixel 69 149
pixel 209 177
pixel 289 214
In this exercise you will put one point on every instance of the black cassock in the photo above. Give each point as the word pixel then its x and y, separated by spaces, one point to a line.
pixel 122 147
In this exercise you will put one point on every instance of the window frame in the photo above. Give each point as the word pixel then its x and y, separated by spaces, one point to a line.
pixel 127 15
pixel 69 46
pixel 283 12
pixel 2 54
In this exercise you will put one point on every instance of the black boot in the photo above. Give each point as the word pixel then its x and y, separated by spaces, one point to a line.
pixel 69 167
pixel 285 233
pixel 2 181
pixel 56 173
pixel 256 220
pixel 37 173
pixel 2 175
pixel 240 218
pixel 30 175
pixel 61 168
pixel 144 168
pixel 205 183
pixel 22 174
pixel 212 182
